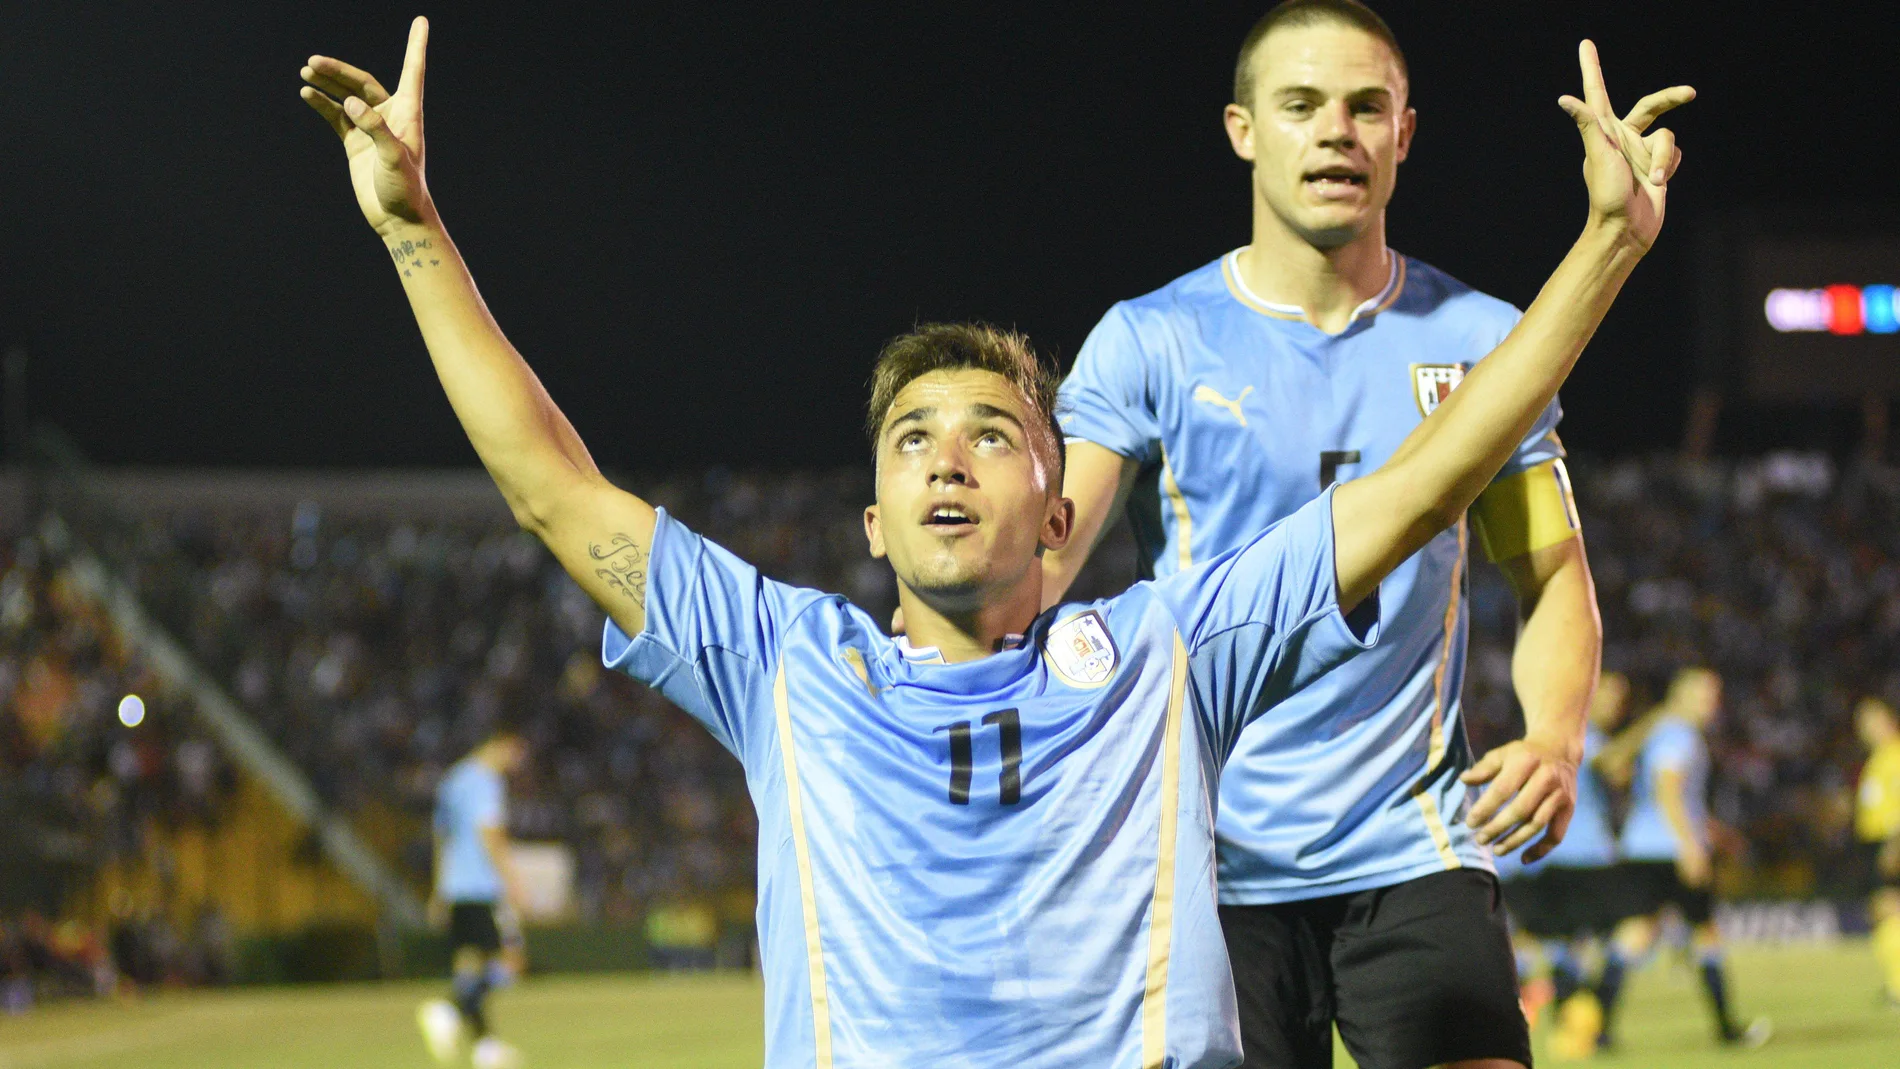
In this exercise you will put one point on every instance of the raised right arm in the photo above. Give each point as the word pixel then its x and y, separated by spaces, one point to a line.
pixel 1443 465
pixel 601 535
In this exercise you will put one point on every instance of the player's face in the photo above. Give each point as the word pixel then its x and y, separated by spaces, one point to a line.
pixel 1874 723
pixel 1612 696
pixel 1327 131
pixel 964 494
pixel 1700 695
pixel 512 755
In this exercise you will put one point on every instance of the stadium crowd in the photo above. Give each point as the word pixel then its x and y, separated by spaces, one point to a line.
pixel 78 792
pixel 377 652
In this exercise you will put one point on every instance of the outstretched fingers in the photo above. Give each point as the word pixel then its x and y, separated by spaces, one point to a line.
pixel 1595 94
pixel 414 60
pixel 1653 106
pixel 341 80
pixel 331 111
pixel 1663 155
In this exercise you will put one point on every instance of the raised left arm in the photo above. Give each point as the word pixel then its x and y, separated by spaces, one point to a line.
pixel 1533 781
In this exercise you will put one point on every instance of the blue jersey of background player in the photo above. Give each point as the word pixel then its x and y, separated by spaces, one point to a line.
pixel 946 877
pixel 1668 815
pixel 1235 394
pixel 1666 847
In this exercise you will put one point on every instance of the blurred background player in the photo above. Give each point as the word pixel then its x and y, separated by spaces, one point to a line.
pixel 1666 850
pixel 1224 402
pixel 1877 835
pixel 475 886
pixel 1564 900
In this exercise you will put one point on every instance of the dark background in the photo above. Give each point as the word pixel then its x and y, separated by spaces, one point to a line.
pixel 699 221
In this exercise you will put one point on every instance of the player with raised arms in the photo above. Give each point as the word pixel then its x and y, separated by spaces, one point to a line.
pixel 1355 867
pixel 991 843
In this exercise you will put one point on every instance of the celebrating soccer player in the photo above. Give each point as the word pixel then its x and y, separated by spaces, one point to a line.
pixel 992 843
pixel 1350 850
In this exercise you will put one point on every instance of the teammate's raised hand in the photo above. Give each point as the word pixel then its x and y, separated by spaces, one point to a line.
pixel 1626 165
pixel 381 132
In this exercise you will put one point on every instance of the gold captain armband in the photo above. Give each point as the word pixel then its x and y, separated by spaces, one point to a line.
pixel 1526 512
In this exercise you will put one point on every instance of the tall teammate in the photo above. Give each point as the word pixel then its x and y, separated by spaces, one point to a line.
pixel 1666 852
pixel 475 885
pixel 1354 878
pixel 1877 834
pixel 993 843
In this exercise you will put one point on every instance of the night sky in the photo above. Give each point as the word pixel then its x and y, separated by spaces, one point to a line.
pixel 699 221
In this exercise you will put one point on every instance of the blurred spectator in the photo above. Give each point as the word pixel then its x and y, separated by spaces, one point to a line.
pixel 78 788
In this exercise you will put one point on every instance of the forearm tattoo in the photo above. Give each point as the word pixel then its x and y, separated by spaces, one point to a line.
pixel 622 567
pixel 410 255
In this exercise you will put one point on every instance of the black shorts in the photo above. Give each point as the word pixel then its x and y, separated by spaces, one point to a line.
pixel 1867 875
pixel 483 925
pixel 1415 975
pixel 1564 903
pixel 1645 887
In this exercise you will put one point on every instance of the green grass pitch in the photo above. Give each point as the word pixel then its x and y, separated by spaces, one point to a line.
pixel 1821 999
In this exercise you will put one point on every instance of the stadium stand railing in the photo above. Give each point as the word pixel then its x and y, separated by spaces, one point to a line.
pixel 278 808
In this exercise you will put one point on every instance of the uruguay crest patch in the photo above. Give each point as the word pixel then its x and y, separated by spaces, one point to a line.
pixel 1432 383
pixel 1080 650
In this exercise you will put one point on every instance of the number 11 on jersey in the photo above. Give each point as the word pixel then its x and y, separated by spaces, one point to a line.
pixel 1009 730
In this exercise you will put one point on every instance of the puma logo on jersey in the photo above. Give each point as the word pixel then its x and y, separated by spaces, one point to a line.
pixel 1210 396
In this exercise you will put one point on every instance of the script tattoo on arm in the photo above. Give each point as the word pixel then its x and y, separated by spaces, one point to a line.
pixel 413 254
pixel 622 566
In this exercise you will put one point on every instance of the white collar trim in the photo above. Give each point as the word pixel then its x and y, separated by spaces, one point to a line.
pixel 1366 307
pixel 933 655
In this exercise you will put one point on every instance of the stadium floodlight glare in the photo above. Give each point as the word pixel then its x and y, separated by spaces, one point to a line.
pixel 131 710
pixel 1838 309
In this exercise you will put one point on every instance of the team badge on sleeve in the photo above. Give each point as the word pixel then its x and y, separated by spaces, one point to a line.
pixel 1432 383
pixel 1080 650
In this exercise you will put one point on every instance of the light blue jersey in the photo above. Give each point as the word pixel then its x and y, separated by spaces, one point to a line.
pixel 1673 745
pixel 1240 413
pixel 1590 842
pixel 470 798
pixel 1002 862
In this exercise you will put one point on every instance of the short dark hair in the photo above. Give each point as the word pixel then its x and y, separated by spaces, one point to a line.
pixel 960 346
pixel 1311 13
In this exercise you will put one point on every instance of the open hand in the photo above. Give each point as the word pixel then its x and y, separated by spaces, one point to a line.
pixel 1626 165
pixel 1533 790
pixel 381 132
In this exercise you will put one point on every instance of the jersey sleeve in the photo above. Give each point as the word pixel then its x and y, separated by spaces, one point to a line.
pixel 487 803
pixel 1263 621
pixel 711 632
pixel 1673 747
pixel 1107 397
